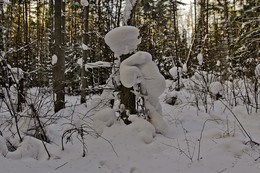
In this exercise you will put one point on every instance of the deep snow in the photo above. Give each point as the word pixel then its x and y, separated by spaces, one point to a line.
pixel 186 148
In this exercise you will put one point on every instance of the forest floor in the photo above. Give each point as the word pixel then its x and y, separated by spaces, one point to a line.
pixel 197 142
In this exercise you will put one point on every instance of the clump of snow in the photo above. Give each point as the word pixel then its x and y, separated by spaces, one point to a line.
pixel 257 71
pixel 123 40
pixel 184 68
pixel 103 118
pixel 54 59
pixel 130 75
pixel 145 129
pixel 29 148
pixel 216 88
pixel 85 47
pixel 84 3
pixel 139 68
pixel 200 58
pixel 156 119
pixel 128 9
pixel 174 72
pixel 79 62
pixel 218 63
pixel 97 64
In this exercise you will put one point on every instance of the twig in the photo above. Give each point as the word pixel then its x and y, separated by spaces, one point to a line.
pixel 200 139
pixel 242 127
pixel 61 165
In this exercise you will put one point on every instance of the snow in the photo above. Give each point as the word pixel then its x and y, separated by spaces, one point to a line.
pixel 174 72
pixel 80 62
pixel 135 148
pixel 29 148
pixel 156 119
pixel 185 68
pixel 123 40
pixel 145 129
pixel 218 63
pixel 54 59
pixel 97 64
pixel 139 68
pixel 200 58
pixel 216 88
pixel 3 146
pixel 257 71
pixel 105 117
pixel 85 47
pixel 17 73
pixel 128 9
pixel 84 3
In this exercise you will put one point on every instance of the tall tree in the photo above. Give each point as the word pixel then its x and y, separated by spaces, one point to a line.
pixel 85 55
pixel 58 60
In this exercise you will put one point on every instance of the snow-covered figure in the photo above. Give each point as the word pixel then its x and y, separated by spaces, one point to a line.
pixel 139 69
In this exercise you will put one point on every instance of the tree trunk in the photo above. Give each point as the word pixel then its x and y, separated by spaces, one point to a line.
pixel 85 56
pixel 1 28
pixel 59 67
pixel 50 40
pixel 127 98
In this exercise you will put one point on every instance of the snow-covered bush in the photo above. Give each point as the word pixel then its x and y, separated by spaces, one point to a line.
pixel 140 69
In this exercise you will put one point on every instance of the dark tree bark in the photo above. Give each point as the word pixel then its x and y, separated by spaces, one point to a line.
pixel 59 67
pixel 85 56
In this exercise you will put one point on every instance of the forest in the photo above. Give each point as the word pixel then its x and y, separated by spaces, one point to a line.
pixel 179 73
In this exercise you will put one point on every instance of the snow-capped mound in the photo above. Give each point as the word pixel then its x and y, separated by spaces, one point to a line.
pixel 123 40
pixel 29 148
pixel 145 129
pixel 156 119
pixel 103 118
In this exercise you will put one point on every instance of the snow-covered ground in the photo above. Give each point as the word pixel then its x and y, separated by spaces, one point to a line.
pixel 196 142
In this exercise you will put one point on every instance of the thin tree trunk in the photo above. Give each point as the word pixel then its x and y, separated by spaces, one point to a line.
pixel 59 66
pixel 85 56
pixel 127 97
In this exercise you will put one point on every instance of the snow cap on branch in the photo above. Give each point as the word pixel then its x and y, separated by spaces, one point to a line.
pixel 128 9
pixel 123 40
pixel 84 3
